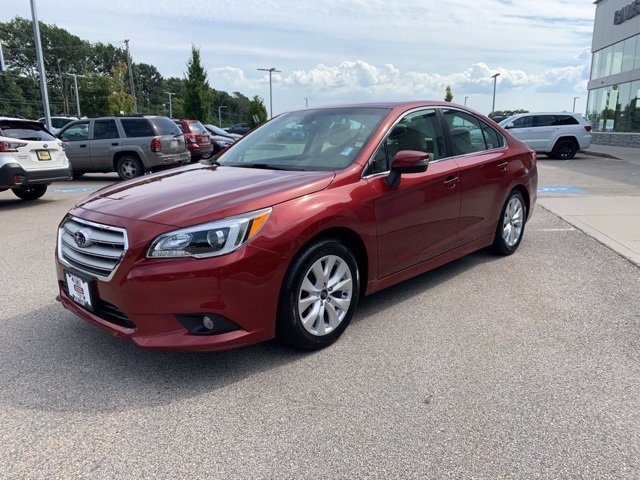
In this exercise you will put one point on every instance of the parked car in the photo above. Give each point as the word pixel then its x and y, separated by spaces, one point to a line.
pixel 282 238
pixel 214 130
pixel 130 146
pixel 58 122
pixel 239 128
pixel 30 158
pixel 558 135
pixel 197 137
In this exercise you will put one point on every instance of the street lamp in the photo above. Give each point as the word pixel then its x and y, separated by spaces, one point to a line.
pixel 170 104
pixel 493 103
pixel 270 70
pixel 574 103
pixel 306 102
pixel 465 101
pixel 220 115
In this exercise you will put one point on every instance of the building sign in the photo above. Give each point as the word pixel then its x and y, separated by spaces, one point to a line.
pixel 627 12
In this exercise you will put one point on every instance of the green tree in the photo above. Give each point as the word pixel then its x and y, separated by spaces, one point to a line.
pixel 149 91
pixel 448 96
pixel 119 100
pixel 196 92
pixel 256 109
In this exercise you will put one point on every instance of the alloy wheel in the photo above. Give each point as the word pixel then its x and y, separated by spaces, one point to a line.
pixel 513 221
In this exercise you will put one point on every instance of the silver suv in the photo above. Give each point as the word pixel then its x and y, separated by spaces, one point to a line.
pixel 30 158
pixel 130 146
pixel 558 135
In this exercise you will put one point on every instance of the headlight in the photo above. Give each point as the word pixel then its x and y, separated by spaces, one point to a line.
pixel 209 239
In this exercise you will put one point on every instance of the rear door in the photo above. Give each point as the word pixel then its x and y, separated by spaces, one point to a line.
pixel 485 169
pixel 105 141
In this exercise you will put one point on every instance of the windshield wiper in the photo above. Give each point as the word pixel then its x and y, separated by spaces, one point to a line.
pixel 264 166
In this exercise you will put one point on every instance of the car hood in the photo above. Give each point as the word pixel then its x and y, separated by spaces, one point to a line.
pixel 191 195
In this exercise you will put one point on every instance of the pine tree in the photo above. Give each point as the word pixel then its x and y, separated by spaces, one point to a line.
pixel 196 92
pixel 448 96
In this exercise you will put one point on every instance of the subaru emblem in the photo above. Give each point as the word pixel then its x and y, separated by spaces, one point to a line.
pixel 82 238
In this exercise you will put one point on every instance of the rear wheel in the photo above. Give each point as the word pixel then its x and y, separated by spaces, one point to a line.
pixel 319 295
pixel 29 192
pixel 510 225
pixel 564 149
pixel 129 167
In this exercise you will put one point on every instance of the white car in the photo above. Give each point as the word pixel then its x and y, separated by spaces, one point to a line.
pixel 558 135
pixel 30 158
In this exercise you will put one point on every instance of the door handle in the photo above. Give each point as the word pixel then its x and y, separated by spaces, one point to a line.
pixel 115 144
pixel 84 145
pixel 451 181
pixel 503 165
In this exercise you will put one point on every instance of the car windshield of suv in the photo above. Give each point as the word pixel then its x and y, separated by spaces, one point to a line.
pixel 323 139
pixel 25 131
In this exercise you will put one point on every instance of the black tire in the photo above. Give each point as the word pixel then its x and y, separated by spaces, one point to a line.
pixel 564 149
pixel 29 192
pixel 129 167
pixel 510 228
pixel 333 308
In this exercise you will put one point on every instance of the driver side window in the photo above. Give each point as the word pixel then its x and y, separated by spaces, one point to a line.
pixel 416 131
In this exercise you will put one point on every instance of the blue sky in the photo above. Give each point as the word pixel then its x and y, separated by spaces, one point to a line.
pixel 336 51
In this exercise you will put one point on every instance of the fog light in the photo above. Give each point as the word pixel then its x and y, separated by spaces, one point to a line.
pixel 18 179
pixel 207 322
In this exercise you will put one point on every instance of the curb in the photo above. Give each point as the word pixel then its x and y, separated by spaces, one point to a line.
pixel 599 154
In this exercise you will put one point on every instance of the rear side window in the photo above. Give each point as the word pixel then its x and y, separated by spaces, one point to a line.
pixel 137 127
pixel 491 137
pixel 25 131
pixel 105 129
pixel 543 120
pixel 165 126
pixel 565 120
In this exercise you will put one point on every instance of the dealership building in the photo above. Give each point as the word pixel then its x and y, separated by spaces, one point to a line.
pixel 613 106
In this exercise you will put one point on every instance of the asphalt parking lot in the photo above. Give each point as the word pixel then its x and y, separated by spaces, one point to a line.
pixel 525 366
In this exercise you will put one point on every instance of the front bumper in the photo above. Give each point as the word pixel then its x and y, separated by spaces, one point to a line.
pixel 144 299
pixel 13 175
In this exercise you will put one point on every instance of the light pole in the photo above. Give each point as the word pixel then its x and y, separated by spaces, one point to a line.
pixel 306 102
pixel 493 103
pixel 270 70
pixel 574 103
pixel 465 101
pixel 170 104
pixel 220 115
pixel 40 59
pixel 75 86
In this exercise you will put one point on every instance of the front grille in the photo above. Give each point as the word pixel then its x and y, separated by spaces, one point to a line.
pixel 102 251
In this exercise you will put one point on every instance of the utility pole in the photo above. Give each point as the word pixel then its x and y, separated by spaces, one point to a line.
pixel 306 102
pixel 41 72
pixel 574 103
pixel 170 105
pixel 220 115
pixel 75 86
pixel 133 88
pixel 270 70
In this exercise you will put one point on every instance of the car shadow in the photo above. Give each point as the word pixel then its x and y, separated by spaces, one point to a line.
pixel 54 361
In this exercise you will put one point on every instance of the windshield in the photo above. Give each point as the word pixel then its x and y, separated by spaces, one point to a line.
pixel 217 130
pixel 322 139
pixel 31 131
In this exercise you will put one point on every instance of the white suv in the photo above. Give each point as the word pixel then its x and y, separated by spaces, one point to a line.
pixel 30 158
pixel 558 135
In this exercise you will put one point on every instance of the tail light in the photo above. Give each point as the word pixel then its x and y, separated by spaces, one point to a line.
pixel 191 137
pixel 155 144
pixel 587 128
pixel 11 146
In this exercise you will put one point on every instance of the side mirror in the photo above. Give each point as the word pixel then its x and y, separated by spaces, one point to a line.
pixel 407 161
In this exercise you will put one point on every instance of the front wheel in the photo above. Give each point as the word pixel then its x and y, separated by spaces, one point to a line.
pixel 319 295
pixel 510 225
pixel 129 167
pixel 29 192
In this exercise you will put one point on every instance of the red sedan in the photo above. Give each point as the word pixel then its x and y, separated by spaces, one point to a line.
pixel 281 236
